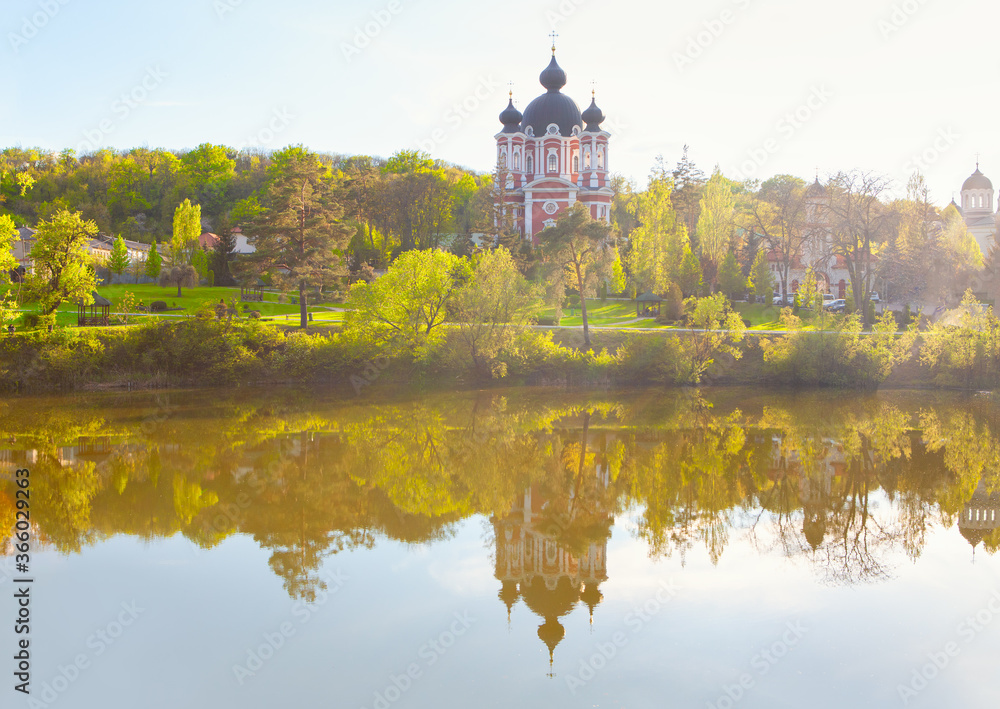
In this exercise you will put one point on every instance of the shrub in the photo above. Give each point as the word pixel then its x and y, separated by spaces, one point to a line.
pixel 157 306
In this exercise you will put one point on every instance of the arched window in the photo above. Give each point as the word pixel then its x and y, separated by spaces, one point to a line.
pixel 502 157
pixel 586 159
pixel 576 162
pixel 553 162
pixel 517 159
pixel 531 164
pixel 600 158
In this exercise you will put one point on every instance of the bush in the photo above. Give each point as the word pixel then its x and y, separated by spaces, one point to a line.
pixel 157 306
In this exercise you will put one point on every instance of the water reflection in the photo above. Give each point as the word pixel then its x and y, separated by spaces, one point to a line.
pixel 846 484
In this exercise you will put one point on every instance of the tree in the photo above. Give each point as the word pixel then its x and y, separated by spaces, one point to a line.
pixel 200 262
pixel 492 309
pixel 118 261
pixel 717 219
pixel 154 262
pixel 180 276
pixel 187 229
pixel 731 279
pixel 222 254
pixel 7 263
pixel 689 278
pixel 578 249
pixel 778 213
pixel 659 240
pixel 761 279
pixel 406 307
pixel 63 266
pixel 298 234
pixel 689 182
pixel 860 224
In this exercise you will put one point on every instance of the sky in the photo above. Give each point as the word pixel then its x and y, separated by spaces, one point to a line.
pixel 755 87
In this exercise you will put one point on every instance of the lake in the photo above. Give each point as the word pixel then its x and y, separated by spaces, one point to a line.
pixel 530 547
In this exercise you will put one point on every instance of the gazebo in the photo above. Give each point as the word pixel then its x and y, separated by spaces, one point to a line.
pixel 647 304
pixel 253 293
pixel 98 313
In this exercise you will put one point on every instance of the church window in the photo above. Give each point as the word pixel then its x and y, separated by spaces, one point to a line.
pixel 586 159
pixel 553 162
pixel 517 159
pixel 600 159
pixel 531 164
pixel 503 157
pixel 576 162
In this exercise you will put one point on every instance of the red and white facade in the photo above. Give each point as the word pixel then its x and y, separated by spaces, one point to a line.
pixel 555 156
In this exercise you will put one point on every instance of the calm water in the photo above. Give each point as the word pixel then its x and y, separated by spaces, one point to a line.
pixel 527 548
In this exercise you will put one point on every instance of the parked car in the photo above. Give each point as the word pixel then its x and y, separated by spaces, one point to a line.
pixel 828 298
pixel 875 298
pixel 836 306
pixel 788 300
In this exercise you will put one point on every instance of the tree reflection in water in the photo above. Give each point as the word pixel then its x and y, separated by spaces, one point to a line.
pixel 847 483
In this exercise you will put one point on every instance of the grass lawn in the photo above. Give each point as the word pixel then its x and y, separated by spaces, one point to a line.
pixel 194 298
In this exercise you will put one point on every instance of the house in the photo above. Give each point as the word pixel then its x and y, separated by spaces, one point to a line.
pixel 100 249
pixel 208 241
pixel 23 243
pixel 243 245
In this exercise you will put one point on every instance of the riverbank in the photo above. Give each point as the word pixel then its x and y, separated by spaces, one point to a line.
pixel 204 352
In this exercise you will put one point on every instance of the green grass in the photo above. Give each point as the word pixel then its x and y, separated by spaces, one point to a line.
pixel 192 299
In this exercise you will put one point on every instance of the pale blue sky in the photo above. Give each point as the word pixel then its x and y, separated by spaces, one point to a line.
pixel 259 71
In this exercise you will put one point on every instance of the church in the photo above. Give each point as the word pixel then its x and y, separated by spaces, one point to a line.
pixel 554 155
pixel 977 209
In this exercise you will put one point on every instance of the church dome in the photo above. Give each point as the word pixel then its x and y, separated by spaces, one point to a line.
pixel 552 106
pixel 816 189
pixel 511 118
pixel 977 181
pixel 593 116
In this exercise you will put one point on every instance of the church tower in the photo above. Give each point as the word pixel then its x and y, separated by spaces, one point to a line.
pixel 977 208
pixel 554 156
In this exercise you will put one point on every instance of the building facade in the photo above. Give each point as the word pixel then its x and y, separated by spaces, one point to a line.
pixel 553 156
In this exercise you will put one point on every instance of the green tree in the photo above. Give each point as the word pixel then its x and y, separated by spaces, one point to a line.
pixel 179 276
pixel 63 266
pixel 689 278
pixel 187 229
pixel 154 262
pixel 492 309
pixel 405 308
pixel 119 260
pixel 761 279
pixel 298 233
pixel 200 262
pixel 578 250
pixel 731 279
pixel 658 241
pixel 7 263
pixel 717 219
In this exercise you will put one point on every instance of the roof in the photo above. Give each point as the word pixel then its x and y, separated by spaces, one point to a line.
pixel 208 240
pixel 649 298
pixel 977 181
pixel 100 300
pixel 816 189
pixel 594 116
pixel 552 106
pixel 25 233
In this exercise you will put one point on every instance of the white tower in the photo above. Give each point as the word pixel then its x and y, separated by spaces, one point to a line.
pixel 977 208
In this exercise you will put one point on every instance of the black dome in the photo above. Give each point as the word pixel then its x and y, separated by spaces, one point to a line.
pixel 552 106
pixel 511 118
pixel 593 116
pixel 553 77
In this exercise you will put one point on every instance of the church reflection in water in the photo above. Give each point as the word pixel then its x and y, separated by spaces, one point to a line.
pixel 535 566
